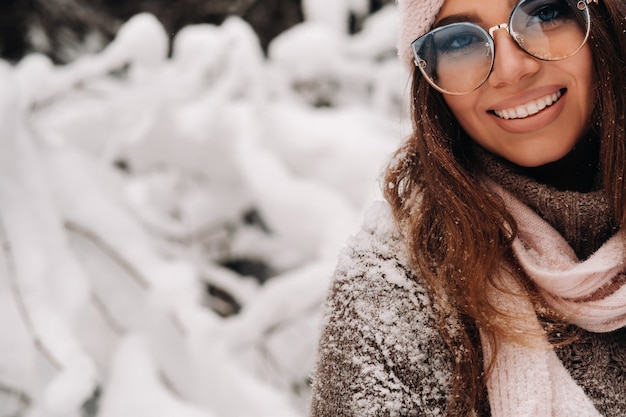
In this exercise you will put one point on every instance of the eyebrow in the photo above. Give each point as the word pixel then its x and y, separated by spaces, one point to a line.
pixel 466 17
pixel 456 18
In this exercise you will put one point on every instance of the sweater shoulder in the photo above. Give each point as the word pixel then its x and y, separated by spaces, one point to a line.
pixel 381 352
pixel 373 271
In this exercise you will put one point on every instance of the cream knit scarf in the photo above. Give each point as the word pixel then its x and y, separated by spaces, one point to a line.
pixel 532 381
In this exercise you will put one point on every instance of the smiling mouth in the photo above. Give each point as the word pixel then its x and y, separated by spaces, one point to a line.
pixel 529 109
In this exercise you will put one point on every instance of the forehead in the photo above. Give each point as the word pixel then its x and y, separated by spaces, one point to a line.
pixel 476 11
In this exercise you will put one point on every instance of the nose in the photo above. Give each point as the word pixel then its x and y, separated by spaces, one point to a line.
pixel 511 64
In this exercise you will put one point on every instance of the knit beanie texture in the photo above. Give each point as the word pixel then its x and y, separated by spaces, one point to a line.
pixel 416 18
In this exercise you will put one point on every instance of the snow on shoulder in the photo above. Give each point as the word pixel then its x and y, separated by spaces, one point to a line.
pixel 380 237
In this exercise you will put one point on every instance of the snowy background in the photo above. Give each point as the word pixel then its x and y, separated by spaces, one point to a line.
pixel 169 222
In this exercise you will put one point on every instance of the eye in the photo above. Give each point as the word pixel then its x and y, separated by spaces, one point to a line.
pixel 547 14
pixel 458 42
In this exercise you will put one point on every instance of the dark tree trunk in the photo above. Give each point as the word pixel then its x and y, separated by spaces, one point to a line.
pixel 63 29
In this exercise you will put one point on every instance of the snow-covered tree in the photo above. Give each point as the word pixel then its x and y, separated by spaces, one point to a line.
pixel 169 222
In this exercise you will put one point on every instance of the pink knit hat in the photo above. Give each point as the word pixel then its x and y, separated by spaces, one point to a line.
pixel 416 18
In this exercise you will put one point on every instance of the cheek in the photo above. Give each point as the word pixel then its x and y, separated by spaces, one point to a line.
pixel 465 74
pixel 590 77
pixel 457 104
pixel 581 70
pixel 464 110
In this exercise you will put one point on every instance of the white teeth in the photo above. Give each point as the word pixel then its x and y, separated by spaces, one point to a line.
pixel 529 109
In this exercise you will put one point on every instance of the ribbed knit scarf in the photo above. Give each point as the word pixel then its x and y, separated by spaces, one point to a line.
pixel 530 380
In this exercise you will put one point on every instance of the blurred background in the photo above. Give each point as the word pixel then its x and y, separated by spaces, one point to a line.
pixel 177 180
pixel 66 29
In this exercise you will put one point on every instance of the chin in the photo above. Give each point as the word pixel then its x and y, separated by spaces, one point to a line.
pixel 537 157
pixel 534 163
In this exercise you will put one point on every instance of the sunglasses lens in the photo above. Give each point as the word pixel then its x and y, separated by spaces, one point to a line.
pixel 455 58
pixel 550 29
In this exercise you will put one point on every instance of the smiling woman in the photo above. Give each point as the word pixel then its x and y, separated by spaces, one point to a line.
pixel 491 281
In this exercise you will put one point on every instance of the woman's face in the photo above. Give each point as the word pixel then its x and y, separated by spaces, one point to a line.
pixel 493 114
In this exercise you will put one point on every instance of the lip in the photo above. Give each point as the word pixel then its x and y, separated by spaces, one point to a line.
pixel 535 121
pixel 526 97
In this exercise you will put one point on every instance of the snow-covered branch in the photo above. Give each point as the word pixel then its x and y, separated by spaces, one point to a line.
pixel 169 223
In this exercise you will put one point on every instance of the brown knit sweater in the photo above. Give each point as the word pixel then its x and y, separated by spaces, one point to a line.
pixel 582 218
pixel 380 352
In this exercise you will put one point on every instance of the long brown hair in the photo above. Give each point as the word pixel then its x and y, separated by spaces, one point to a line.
pixel 458 233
